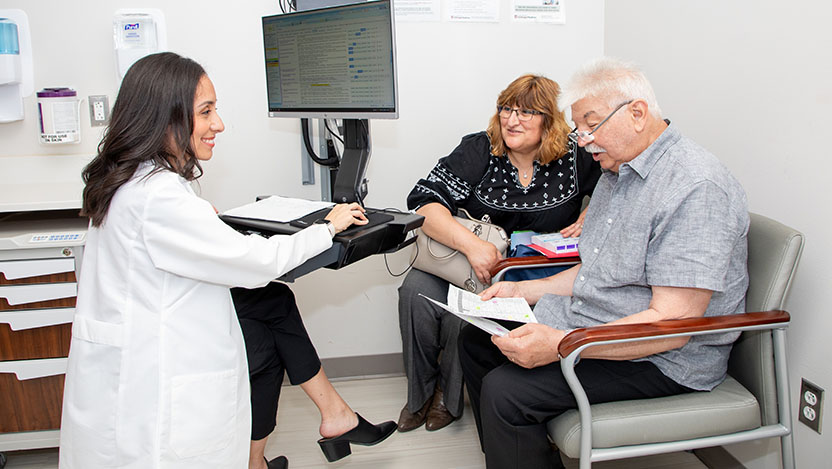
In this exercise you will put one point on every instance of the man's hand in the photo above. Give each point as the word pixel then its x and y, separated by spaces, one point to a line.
pixel 530 345
pixel 502 290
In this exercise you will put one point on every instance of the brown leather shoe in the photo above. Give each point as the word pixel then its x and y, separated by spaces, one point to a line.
pixel 410 421
pixel 438 415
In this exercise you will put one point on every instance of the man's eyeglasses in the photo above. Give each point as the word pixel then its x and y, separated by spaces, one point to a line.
pixel 523 115
pixel 587 137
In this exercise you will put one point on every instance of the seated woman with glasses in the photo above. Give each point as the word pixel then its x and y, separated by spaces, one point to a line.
pixel 523 172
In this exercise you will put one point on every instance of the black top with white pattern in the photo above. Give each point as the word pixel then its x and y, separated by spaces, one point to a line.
pixel 481 183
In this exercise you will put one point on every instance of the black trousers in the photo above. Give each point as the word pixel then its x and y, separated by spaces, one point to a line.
pixel 512 404
pixel 276 341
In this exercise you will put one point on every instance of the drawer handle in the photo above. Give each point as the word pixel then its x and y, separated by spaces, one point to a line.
pixel 14 270
pixel 20 320
pixel 22 294
pixel 31 369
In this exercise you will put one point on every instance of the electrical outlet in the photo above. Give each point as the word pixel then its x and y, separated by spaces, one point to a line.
pixel 811 403
pixel 99 110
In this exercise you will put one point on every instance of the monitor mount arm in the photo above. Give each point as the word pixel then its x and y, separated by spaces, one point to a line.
pixel 350 184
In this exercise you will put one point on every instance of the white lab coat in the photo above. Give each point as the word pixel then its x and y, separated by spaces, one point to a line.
pixel 157 374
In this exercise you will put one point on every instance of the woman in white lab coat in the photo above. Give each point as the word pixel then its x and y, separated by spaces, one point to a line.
pixel 157 374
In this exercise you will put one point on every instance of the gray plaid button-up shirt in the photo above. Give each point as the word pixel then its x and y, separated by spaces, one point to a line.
pixel 673 216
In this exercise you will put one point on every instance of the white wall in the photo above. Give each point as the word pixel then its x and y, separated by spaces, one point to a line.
pixel 449 77
pixel 749 80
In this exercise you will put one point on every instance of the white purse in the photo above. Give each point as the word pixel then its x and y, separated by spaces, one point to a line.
pixel 435 258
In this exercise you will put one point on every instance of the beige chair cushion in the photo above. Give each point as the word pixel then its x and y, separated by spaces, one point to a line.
pixel 728 408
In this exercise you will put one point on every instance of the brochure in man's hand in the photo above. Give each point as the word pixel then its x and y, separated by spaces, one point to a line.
pixel 470 308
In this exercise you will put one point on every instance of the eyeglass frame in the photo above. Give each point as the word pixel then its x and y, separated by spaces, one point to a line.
pixel 574 135
pixel 512 110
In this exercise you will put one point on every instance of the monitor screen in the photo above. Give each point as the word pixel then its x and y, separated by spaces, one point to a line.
pixel 332 63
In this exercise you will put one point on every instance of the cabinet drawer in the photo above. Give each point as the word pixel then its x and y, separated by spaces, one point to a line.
pixel 41 342
pixel 31 404
pixel 32 271
pixel 50 295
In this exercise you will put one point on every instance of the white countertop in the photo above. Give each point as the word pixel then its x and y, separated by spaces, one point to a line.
pixel 34 183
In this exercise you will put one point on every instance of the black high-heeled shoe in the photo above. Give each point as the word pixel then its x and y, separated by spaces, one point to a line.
pixel 365 433
pixel 279 462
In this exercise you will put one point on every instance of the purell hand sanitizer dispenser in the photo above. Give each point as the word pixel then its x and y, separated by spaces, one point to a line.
pixel 137 33
pixel 16 77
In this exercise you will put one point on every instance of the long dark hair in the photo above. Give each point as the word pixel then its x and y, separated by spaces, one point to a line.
pixel 152 113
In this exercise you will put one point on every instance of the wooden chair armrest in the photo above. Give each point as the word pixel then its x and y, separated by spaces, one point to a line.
pixel 531 261
pixel 579 337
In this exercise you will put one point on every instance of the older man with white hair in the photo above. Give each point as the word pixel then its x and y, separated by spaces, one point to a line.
pixel 664 238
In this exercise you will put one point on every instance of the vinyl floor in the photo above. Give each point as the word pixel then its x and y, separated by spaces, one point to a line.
pixel 378 399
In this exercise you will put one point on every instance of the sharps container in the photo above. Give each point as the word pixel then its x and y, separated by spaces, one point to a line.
pixel 60 115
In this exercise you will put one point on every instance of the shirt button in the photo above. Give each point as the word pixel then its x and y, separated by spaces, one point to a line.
pixel 583 278
pixel 595 250
pixel 609 221
pixel 580 303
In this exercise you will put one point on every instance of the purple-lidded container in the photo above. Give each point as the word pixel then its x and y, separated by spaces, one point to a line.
pixel 56 92
pixel 60 117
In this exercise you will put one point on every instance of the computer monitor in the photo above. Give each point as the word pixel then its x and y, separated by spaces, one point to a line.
pixel 332 63
pixel 335 63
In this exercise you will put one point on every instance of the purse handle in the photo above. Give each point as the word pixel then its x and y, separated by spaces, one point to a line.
pixel 477 231
pixel 440 258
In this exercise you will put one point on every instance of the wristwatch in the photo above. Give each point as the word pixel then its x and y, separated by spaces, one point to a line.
pixel 329 225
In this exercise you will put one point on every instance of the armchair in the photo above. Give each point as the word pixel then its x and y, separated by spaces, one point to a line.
pixel 752 403
pixel 532 262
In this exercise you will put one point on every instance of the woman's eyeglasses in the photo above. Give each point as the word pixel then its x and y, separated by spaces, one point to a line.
pixel 523 115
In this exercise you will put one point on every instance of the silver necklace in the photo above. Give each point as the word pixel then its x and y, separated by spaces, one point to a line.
pixel 525 171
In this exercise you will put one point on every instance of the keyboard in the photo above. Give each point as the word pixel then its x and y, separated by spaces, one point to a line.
pixel 375 217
